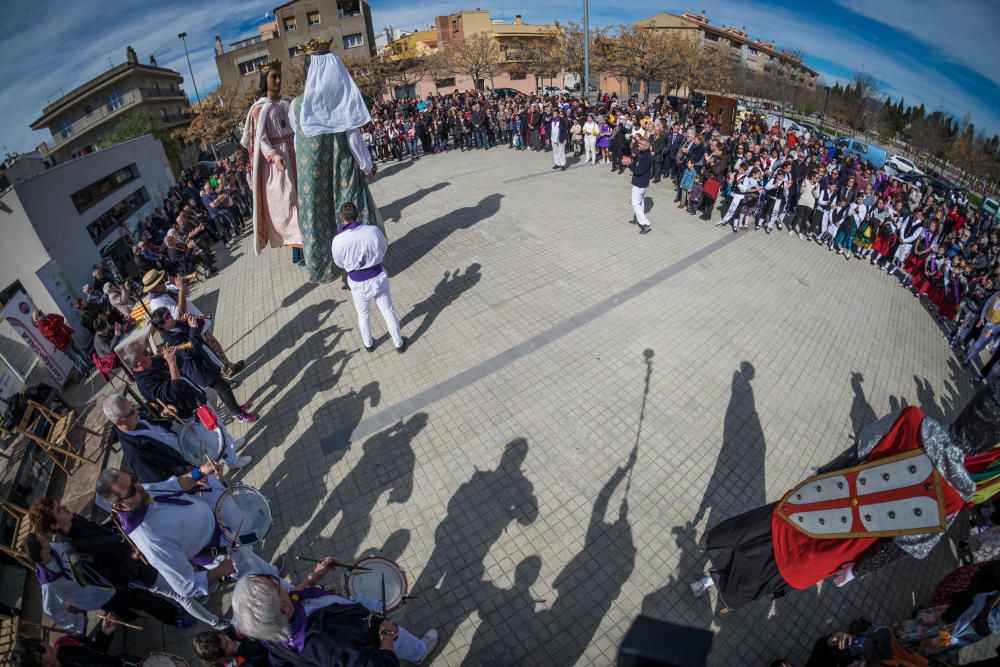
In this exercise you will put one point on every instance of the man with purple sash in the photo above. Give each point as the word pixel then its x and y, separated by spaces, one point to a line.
pixel 310 626
pixel 172 523
pixel 359 249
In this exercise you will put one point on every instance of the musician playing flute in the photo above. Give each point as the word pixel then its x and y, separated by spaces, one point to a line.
pixel 176 530
pixel 159 380
pixel 308 625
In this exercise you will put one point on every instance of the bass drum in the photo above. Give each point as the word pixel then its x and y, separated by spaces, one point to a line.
pixel 197 442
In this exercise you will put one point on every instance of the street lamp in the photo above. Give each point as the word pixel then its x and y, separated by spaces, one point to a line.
pixel 586 50
pixel 825 102
pixel 182 36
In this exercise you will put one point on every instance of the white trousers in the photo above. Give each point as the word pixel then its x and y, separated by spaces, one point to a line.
pixel 733 208
pixel 639 205
pixel 375 289
pixel 590 148
pixel 559 153
pixel 902 252
pixel 161 587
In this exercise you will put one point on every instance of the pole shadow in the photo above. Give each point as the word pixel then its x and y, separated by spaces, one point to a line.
pixel 394 210
pixel 479 512
pixel 737 483
pixel 448 289
pixel 407 250
pixel 308 321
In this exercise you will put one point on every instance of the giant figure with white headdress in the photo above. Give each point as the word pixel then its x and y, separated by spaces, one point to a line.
pixel 270 139
pixel 333 162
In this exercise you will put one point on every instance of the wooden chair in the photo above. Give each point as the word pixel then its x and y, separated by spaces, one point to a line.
pixel 51 431
pixel 13 629
pixel 22 527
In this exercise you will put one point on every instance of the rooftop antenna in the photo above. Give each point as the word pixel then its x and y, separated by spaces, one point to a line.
pixel 111 65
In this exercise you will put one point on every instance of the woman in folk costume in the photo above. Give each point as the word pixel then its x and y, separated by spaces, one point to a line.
pixel 892 495
pixel 270 139
pixel 334 163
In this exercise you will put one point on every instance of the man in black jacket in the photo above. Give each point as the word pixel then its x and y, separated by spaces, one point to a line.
pixel 641 168
pixel 151 452
pixel 309 626
pixel 657 147
pixel 103 556
pixel 670 152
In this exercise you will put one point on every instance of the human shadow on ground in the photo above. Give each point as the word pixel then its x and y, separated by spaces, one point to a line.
pixel 394 210
pixel 862 413
pixel 395 167
pixel 309 320
pixel 586 588
pixel 386 466
pixel 290 300
pixel 448 289
pixel 408 249
pixel 479 512
pixel 306 462
pixel 737 483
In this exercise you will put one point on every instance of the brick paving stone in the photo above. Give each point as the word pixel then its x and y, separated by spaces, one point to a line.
pixel 530 302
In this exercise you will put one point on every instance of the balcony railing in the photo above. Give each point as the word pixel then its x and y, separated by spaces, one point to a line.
pixel 130 98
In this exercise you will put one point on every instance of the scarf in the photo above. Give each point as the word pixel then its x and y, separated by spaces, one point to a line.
pixel 331 101
pixel 296 639
pixel 132 519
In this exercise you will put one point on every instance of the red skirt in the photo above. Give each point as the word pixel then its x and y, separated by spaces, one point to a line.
pixel 882 246
pixel 914 265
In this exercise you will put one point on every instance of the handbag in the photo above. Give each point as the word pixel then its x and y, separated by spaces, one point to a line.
pixel 711 188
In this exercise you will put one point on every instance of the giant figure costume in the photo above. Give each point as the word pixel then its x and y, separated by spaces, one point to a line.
pixel 893 494
pixel 331 156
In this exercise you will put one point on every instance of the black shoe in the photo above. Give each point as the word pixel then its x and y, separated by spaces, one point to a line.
pixel 555 166
pixel 645 229
pixel 633 221
pixel 370 348
pixel 402 348
pixel 562 168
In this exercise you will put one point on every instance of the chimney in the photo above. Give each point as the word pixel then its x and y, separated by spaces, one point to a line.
pixel 518 20
pixel 703 17
pixel 152 61
pixel 130 56
pixel 219 50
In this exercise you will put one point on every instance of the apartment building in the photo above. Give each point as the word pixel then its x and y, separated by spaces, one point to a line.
pixel 79 120
pixel 347 23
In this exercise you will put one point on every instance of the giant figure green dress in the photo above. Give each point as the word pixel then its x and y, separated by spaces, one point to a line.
pixel 328 177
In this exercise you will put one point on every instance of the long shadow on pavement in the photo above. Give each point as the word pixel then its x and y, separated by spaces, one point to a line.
pixel 412 246
pixel 450 287
pixel 394 210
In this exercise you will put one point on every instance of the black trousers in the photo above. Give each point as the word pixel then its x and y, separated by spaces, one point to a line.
pixel 800 221
pixel 745 570
pixel 127 602
pixel 226 395
pixel 657 166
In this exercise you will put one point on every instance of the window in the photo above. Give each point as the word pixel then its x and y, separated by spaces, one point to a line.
pixel 351 41
pixel 294 51
pixel 754 52
pixel 65 128
pixel 348 8
pixel 114 100
pixel 445 83
pixel 104 225
pixel 517 76
pixel 163 114
pixel 251 66
pixel 96 191
pixel 289 24
pixel 312 18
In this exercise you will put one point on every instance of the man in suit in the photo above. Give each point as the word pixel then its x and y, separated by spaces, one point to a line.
pixel 559 132
pixel 534 128
pixel 641 168
pixel 657 147
pixel 670 152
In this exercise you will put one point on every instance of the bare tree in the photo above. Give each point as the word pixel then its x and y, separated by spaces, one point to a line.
pixel 477 57
pixel 640 55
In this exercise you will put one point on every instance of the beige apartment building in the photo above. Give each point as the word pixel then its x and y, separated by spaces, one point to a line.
pixel 347 23
pixel 79 120
pixel 755 54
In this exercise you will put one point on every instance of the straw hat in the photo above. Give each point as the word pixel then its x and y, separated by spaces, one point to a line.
pixel 152 279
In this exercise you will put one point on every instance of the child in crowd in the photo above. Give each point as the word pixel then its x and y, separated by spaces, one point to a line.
pixel 685 184
pixel 694 196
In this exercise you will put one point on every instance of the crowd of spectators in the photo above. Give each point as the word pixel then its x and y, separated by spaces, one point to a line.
pixel 757 176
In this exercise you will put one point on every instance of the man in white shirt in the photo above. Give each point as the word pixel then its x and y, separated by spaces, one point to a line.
pixel 560 135
pixel 172 523
pixel 590 132
pixel 175 299
pixel 359 249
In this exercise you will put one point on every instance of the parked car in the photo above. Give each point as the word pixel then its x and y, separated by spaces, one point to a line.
pixel 947 189
pixel 816 132
pixel 506 92
pixel 863 150
pixel 901 165
pixel 990 208
pixel 550 90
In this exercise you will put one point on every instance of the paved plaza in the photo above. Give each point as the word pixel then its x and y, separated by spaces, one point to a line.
pixel 541 482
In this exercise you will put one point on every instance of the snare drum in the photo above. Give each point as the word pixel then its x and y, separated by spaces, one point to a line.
pixel 366 587
pixel 164 660
pixel 196 442
pixel 243 514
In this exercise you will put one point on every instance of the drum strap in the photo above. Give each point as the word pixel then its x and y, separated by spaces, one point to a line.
pixel 212 550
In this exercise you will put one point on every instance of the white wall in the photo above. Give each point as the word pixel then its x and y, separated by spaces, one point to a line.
pixel 39 222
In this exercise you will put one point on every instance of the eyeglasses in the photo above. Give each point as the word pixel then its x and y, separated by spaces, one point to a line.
pixel 133 489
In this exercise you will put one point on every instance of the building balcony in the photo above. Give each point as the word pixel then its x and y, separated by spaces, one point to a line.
pixel 113 110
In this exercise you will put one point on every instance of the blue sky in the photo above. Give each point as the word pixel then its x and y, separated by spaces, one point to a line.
pixel 940 52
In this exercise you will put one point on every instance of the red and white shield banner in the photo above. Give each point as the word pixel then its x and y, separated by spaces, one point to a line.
pixel 897 495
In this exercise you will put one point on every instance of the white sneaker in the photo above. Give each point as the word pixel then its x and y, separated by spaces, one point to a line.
pixel 702 585
pixel 430 640
pixel 239 462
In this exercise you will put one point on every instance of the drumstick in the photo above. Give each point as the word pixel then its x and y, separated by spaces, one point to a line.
pixel 122 623
pixel 343 565
pixel 383 595
pixel 172 414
